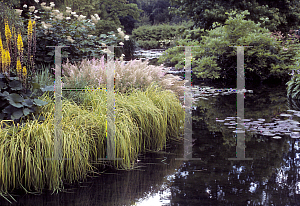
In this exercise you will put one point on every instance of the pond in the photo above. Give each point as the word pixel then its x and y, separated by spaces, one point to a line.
pixel 271 178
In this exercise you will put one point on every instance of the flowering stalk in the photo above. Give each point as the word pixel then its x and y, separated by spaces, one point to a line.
pixel 34 47
pixel 8 52
pixel 7 34
pixel 19 68
pixel 20 47
pixel 15 46
pixel 29 37
pixel 24 77
pixel 1 53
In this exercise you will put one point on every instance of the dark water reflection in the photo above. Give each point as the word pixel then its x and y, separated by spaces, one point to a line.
pixel 272 178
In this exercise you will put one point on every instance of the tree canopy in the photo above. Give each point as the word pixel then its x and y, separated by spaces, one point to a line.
pixel 280 15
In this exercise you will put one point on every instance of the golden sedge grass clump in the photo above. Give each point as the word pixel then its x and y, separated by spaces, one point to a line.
pixel 144 120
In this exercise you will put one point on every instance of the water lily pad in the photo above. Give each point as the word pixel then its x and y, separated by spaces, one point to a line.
pixel 270 124
pixel 262 120
pixel 290 110
pixel 277 137
pixel 246 120
pixel 231 127
pixel 295 135
pixel 239 131
pixel 268 134
pixel 202 98
pixel 286 115
pixel 226 123
pixel 220 120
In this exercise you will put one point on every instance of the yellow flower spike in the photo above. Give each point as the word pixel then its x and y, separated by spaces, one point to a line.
pixel 4 59
pixel 1 50
pixel 24 71
pixel 8 58
pixel 7 32
pixel 20 43
pixel 29 28
pixel 19 67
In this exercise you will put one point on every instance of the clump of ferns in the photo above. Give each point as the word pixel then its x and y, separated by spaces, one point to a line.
pixel 293 86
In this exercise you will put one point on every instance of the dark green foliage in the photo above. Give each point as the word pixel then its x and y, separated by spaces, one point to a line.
pixel 215 58
pixel 154 37
pixel 105 26
pixel 129 48
pixel 280 15
pixel 17 102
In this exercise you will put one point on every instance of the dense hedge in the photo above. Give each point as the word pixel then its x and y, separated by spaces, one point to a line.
pixel 159 36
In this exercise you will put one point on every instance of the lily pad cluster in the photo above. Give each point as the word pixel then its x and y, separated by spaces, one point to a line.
pixel 276 129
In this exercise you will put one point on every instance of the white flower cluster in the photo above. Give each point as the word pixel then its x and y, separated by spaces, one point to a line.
pixel 69 38
pixel 18 12
pixel 95 18
pixel 123 36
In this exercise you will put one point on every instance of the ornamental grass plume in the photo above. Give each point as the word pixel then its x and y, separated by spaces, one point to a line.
pixel 134 75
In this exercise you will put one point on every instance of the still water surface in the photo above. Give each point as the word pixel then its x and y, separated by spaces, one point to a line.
pixel 271 178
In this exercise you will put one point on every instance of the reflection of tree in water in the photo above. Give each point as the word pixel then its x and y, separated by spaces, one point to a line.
pixel 218 181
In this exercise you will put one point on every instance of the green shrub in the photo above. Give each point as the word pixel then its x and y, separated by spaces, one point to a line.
pixel 215 59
